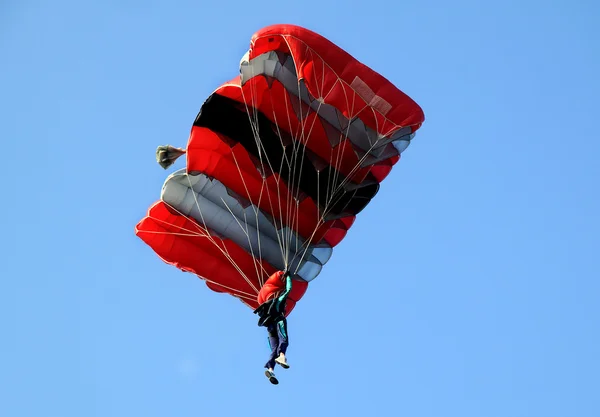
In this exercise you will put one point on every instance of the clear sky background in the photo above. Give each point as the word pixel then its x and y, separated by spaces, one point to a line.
pixel 468 288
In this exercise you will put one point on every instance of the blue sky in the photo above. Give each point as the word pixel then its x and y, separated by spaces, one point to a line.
pixel 468 288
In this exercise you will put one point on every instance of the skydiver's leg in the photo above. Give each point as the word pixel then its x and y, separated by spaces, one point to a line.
pixel 273 344
pixel 282 334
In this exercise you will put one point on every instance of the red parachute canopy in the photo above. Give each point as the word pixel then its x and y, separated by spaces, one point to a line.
pixel 280 161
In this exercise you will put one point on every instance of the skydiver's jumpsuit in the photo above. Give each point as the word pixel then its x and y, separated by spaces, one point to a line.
pixel 278 335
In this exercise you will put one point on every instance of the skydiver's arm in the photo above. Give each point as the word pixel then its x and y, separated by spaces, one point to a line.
pixel 288 288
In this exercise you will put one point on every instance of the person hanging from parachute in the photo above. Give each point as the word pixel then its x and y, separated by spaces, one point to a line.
pixel 272 315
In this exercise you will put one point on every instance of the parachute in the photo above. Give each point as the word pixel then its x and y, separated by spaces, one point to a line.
pixel 280 160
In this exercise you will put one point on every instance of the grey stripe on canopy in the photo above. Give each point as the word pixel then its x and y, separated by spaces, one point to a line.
pixel 364 138
pixel 230 216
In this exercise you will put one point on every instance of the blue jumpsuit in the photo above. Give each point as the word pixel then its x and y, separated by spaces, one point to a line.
pixel 277 329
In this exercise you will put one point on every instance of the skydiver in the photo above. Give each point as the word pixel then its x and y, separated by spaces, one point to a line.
pixel 272 316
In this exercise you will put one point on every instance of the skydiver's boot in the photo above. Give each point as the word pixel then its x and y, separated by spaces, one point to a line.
pixel 281 361
pixel 271 375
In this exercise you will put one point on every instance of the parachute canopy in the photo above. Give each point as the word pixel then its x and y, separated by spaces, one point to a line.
pixel 279 162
